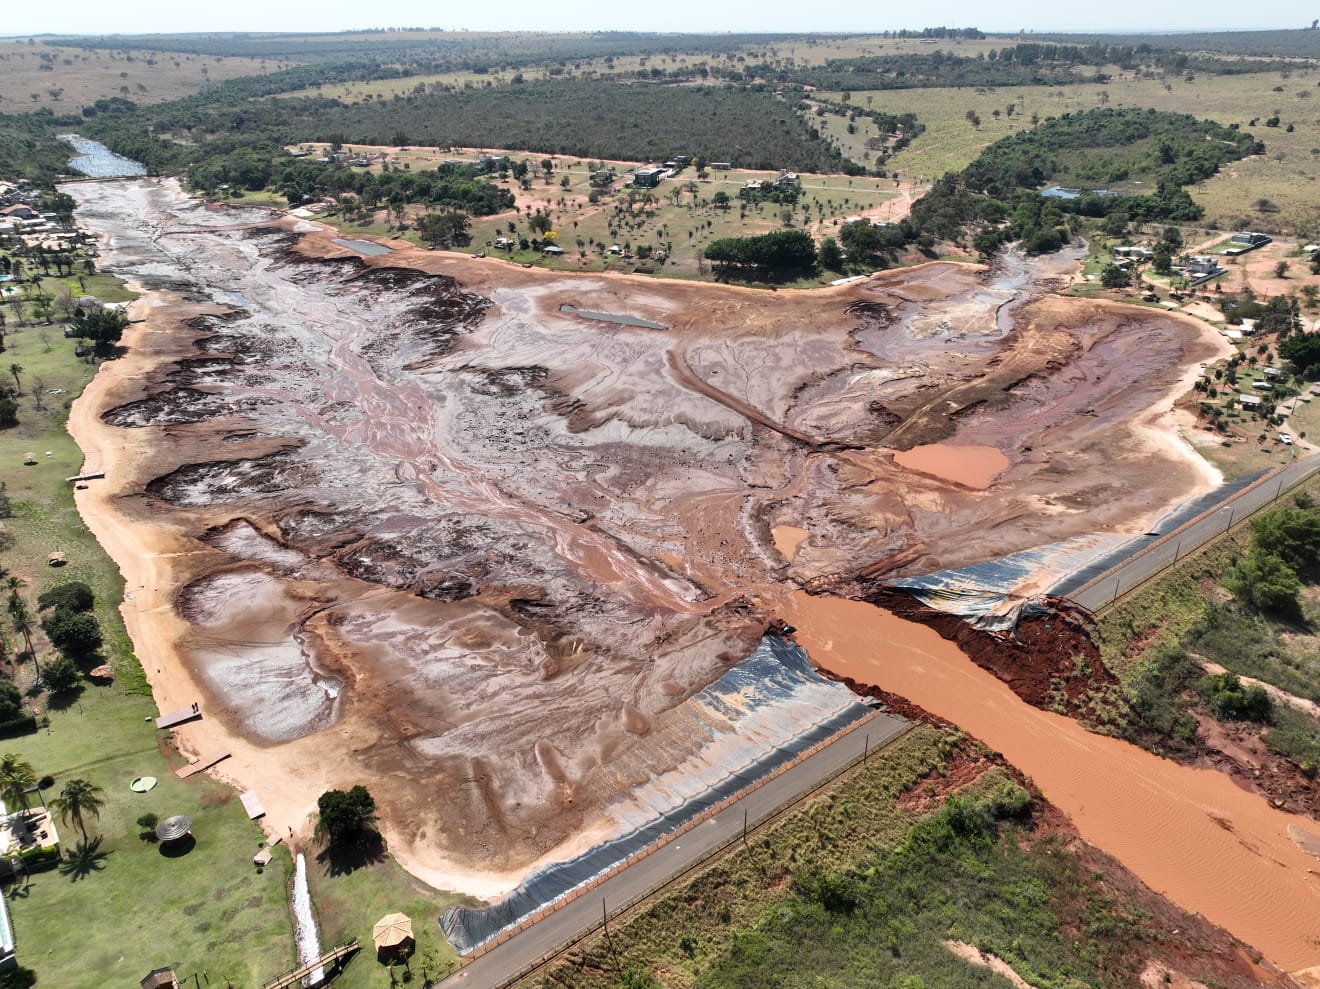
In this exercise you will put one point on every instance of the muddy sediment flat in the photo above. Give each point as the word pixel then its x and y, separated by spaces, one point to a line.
pixel 405 520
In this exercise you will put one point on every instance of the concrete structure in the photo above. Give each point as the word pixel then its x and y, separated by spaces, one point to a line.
pixel 1249 238
pixel 648 178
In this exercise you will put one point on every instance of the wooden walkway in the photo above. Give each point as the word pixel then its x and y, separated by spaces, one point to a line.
pixel 332 957
pixel 204 762
pixel 172 718
pixel 252 804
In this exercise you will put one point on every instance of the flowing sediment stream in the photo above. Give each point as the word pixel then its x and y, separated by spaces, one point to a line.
pixel 1191 834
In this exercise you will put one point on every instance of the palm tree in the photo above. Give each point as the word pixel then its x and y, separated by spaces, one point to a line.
pixel 79 797
pixel 15 778
pixel 22 622
pixel 16 370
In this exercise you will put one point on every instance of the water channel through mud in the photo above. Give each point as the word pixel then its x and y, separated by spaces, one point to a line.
pixel 412 520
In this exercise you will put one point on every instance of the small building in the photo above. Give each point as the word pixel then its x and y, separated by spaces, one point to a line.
pixel 1133 251
pixel 603 176
pixel 682 160
pixel 160 978
pixel 1261 385
pixel 722 166
pixel 1248 327
pixel 1249 401
pixel 1249 238
pixel 492 163
pixel 1202 264
pixel 787 180
pixel 1270 372
pixel 553 250
pixel 648 178
pixel 20 211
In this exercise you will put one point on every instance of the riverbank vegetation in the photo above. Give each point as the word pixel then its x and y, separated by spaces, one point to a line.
pixel 1225 642
pixel 877 880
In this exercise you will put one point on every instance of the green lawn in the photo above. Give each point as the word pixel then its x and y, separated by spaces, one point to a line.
pixel 349 904
pixel 122 907
pixel 111 915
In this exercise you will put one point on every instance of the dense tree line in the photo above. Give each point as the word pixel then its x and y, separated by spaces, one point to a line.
pixel 994 200
pixel 588 118
pixel 29 148
pixel 777 253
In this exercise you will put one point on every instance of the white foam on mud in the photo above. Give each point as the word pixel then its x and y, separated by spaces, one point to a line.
pixel 304 923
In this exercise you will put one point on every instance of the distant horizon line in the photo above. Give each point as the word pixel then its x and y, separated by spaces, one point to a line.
pixel 877 32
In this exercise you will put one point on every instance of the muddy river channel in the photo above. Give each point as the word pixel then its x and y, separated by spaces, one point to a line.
pixel 413 520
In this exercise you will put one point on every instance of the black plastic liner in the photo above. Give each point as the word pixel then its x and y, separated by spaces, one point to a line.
pixel 772 674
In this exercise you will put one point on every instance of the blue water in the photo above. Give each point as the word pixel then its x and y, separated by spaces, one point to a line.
pixel 99 162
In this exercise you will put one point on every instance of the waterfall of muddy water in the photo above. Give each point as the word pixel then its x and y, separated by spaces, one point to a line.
pixel 305 934
pixel 1191 834
pixel 401 521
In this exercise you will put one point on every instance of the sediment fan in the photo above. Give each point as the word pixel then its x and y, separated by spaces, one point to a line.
pixel 173 828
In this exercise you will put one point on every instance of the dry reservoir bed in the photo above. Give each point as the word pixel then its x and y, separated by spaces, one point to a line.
pixel 405 521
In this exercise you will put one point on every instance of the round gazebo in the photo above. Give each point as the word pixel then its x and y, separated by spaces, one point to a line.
pixel 173 828
pixel 393 935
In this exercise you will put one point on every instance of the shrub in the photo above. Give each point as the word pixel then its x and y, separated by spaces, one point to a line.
pixel 1228 699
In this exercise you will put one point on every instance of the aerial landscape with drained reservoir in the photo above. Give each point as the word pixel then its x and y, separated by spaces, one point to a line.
pixel 440 543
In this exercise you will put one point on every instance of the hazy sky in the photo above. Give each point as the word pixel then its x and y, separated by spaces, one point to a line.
pixel 164 16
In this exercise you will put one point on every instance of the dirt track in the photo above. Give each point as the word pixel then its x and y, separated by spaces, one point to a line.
pixel 416 526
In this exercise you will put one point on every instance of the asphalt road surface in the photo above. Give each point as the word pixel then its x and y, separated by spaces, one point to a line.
pixel 1151 560
pixel 504 962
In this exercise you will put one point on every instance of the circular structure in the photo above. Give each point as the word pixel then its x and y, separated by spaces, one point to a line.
pixel 142 784
pixel 393 934
pixel 174 828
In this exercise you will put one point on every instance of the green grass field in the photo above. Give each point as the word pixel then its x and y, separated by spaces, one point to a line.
pixel 110 914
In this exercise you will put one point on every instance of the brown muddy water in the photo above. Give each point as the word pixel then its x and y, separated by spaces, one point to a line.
pixel 409 521
pixel 971 466
pixel 1191 834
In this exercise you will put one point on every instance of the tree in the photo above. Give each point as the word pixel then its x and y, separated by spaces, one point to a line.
pixel 76 634
pixel 1229 700
pixel 831 255
pixel 104 327
pixel 1264 581
pixel 61 675
pixel 347 818
pixel 79 797
pixel 1161 259
pixel 1291 534
pixel 73 595
pixel 16 370
pixel 1115 277
pixel 16 777
pixel 448 229
pixel 1302 351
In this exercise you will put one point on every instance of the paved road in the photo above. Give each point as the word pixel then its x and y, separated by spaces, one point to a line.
pixel 1151 560
pixel 506 961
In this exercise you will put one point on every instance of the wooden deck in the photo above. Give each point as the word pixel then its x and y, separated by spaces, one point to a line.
pixel 204 762
pixel 172 718
pixel 334 956
pixel 252 804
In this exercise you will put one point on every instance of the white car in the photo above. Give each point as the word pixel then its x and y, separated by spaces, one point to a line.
pixel 1285 439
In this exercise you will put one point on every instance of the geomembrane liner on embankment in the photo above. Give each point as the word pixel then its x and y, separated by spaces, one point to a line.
pixel 989 594
pixel 761 714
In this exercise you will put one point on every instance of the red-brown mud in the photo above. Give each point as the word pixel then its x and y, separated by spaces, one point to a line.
pixel 1190 834
pixel 401 520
